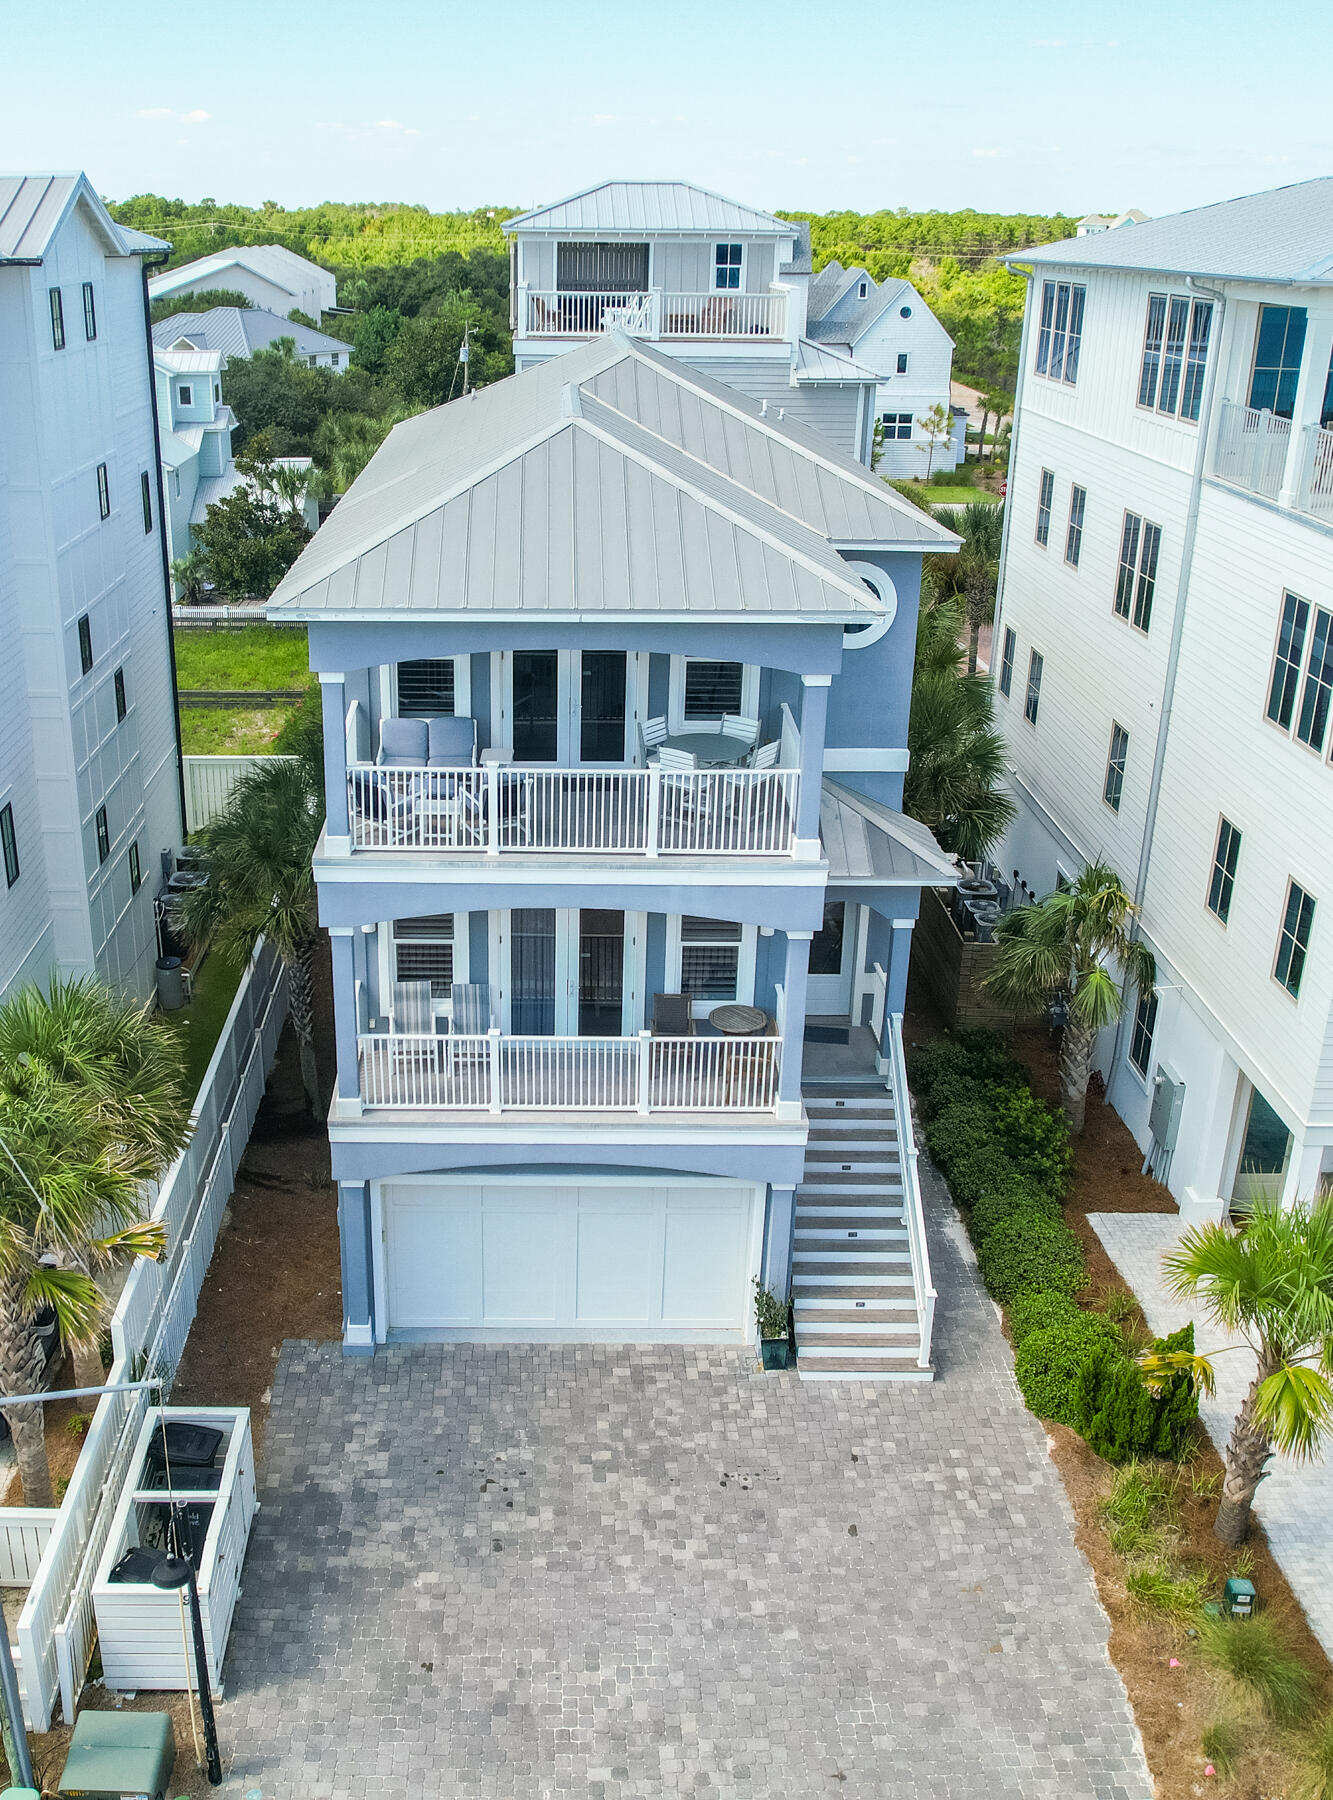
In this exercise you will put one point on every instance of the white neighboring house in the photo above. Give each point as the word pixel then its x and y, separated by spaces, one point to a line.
pixel 1164 651
pixel 90 793
pixel 721 285
pixel 267 274
pixel 887 327
pixel 1093 223
pixel 241 330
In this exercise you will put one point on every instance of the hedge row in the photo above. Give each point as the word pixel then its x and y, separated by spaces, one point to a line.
pixel 1007 1159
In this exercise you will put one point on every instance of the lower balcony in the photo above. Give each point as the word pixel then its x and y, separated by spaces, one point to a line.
pixel 1257 451
pixel 497 1073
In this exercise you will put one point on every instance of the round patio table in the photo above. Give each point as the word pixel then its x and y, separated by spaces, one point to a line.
pixel 733 1020
pixel 709 747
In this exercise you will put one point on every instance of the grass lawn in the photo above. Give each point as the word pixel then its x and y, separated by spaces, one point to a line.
pixel 258 656
pixel 198 1026
pixel 228 731
pixel 958 496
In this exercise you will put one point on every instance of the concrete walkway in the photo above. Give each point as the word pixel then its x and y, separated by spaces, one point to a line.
pixel 517 1572
pixel 1295 1502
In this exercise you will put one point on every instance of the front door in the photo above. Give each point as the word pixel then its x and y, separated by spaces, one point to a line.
pixel 570 973
pixel 569 707
pixel 831 955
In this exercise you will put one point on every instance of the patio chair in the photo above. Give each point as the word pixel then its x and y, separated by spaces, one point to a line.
pixel 412 1009
pixel 736 725
pixel 471 1008
pixel 452 741
pixel 652 734
pixel 766 756
pixel 677 761
pixel 404 744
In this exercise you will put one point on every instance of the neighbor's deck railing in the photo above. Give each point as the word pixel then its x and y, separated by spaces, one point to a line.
pixel 1251 449
pixel 653 312
pixel 499 1074
pixel 1317 472
pixel 648 812
pixel 914 1217
pixel 209 781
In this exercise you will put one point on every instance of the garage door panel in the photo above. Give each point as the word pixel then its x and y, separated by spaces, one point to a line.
pixel 434 1250
pixel 706 1251
pixel 524 1252
pixel 619 1254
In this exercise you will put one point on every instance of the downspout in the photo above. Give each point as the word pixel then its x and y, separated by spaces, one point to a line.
pixel 1013 464
pixel 145 263
pixel 1177 633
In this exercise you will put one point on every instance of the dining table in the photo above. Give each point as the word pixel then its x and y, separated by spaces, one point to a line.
pixel 710 749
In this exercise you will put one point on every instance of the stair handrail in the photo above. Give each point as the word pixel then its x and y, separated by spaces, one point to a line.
pixel 913 1214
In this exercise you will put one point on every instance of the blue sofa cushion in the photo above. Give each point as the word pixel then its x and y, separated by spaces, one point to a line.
pixel 403 742
pixel 452 740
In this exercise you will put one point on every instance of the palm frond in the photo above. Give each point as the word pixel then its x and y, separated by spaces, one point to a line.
pixel 1161 1366
pixel 146 1238
pixel 74 1298
pixel 1295 1405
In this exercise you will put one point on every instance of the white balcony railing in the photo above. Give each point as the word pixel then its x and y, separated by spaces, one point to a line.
pixel 498 1074
pixel 1251 449
pixel 655 313
pixel 518 811
pixel 1316 493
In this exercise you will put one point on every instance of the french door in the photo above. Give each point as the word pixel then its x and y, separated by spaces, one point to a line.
pixel 569 707
pixel 570 973
pixel 829 988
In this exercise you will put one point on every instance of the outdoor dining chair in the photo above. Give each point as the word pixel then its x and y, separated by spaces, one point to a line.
pixel 736 725
pixel 766 756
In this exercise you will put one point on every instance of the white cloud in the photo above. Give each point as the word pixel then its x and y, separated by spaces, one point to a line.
pixel 165 115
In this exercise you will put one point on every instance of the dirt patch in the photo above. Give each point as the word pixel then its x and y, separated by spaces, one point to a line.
pixel 275 1273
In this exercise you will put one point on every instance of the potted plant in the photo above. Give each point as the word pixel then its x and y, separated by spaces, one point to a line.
pixel 773 1317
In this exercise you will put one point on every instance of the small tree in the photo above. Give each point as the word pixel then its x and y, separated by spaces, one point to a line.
pixel 1057 950
pixel 249 541
pixel 955 755
pixel 260 884
pixel 189 573
pixel 1271 1284
pixel 999 405
pixel 938 427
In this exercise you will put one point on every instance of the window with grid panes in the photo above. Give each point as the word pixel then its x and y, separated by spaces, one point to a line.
pixel 118 682
pixel 897 427
pixel 85 644
pixel 57 319
pixel 727 260
pixel 136 876
pixel 1007 662
pixel 1294 938
pixel 103 835
pixel 1032 700
pixel 710 958
pixel 423 950
pixel 1060 331
pixel 426 686
pixel 1175 353
pixel 1114 784
pixel 1136 579
pixel 712 688
pixel 1223 882
pixel 103 492
pixel 1287 659
pixel 1145 1024
pixel 1312 719
pixel 1045 495
pixel 1078 506
pixel 89 312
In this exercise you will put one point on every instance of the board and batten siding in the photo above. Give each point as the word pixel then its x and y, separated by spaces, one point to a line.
pixel 1224 757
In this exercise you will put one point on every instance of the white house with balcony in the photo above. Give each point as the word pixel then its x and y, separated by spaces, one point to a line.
pixel 1164 662
pixel 616 670
pixel 90 793
pixel 721 285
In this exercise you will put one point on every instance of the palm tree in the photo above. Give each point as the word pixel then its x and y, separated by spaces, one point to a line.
pixel 1057 950
pixel 91 1109
pixel 1270 1283
pixel 955 755
pixel 345 442
pixel 974 572
pixel 190 573
pixel 260 883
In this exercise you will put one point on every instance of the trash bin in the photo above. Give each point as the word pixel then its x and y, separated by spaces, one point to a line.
pixel 170 984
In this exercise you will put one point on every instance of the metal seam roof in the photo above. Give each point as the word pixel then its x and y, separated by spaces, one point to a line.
pixel 634 206
pixel 33 207
pixel 867 843
pixel 239 331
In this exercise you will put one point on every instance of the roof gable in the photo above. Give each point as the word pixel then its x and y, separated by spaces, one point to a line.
pixel 34 207
pixel 650 206
pixel 240 330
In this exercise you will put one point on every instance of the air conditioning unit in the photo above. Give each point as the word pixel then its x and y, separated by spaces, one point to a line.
pixel 1168 1098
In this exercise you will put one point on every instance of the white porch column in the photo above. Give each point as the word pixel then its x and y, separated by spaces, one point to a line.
pixel 1302 1179
pixel 778 1240
pixel 793 1023
pixel 814 720
pixel 357 1269
pixel 345 1020
pixel 1305 410
pixel 337 829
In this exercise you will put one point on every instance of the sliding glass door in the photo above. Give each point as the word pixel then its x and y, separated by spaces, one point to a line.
pixel 567 707
pixel 567 972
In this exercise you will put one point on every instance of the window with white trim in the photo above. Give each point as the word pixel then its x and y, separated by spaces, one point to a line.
pixel 702 690
pixel 57 319
pixel 89 312
pixel 103 492
pixel 1145 1027
pixel 1300 688
pixel 103 835
pixel 1078 507
pixel 1294 939
pixel 1116 757
pixel 727 263
pixel 897 427
pixel 1032 700
pixel 9 847
pixel 426 686
pixel 136 874
pixel 423 950
pixel 1176 336
pixel 902 362
pixel 1007 661
pixel 1060 331
pixel 186 394
pixel 710 961
pixel 1045 497
pixel 1226 855
pixel 1136 580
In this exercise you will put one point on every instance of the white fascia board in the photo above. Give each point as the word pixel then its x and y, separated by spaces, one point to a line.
pixel 287 612
pixel 560 1128
pixel 651 872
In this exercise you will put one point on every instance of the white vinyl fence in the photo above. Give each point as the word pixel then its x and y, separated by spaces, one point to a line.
pixel 148 1333
pixel 208 784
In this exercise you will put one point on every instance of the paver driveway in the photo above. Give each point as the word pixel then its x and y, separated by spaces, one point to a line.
pixel 519 1572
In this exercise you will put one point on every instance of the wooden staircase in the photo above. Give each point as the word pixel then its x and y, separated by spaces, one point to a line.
pixel 852 1284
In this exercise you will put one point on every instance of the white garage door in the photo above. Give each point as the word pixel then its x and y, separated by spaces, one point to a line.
pixel 596 1262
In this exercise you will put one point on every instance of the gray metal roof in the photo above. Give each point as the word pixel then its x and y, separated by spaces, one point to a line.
pixel 32 208
pixel 646 206
pixel 240 331
pixel 1285 234
pixel 274 262
pixel 815 362
pixel 839 316
pixel 575 488
pixel 870 845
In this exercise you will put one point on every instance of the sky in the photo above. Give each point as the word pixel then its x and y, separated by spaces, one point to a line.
pixel 1007 106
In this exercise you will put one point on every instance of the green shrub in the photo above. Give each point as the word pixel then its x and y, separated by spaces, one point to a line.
pixel 1031 1251
pixel 954 1087
pixel 1222 1744
pixel 975 1058
pixel 1048 1362
pixel 989 1170
pixel 1035 1311
pixel 1140 1508
pixel 959 1131
pixel 1036 1137
pixel 1316 1755
pixel 302 732
pixel 1005 1203
pixel 1251 1652
pixel 1153 1588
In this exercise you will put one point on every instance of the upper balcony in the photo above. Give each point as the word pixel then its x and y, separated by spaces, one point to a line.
pixel 654 313
pixel 1259 451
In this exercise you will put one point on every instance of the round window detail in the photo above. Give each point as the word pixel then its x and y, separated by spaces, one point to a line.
pixel 880 584
pixel 904 312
